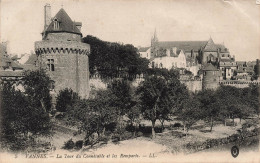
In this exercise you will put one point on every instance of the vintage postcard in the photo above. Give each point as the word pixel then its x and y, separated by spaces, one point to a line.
pixel 129 81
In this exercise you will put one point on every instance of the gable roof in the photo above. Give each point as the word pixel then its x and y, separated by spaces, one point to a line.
pixel 186 46
pixel 65 24
pixel 210 46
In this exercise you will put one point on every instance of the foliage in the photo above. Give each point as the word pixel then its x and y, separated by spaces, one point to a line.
pixel 228 102
pixel 113 59
pixel 209 106
pixel 256 70
pixel 37 88
pixel 66 98
pixel 190 113
pixel 93 115
pixel 24 113
pixel 121 96
pixel 69 144
pixel 153 95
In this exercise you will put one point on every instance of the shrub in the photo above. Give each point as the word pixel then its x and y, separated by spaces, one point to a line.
pixel 79 144
pixel 126 135
pixel 69 144
pixel 139 134
pixel 104 139
pixel 66 98
pixel 177 125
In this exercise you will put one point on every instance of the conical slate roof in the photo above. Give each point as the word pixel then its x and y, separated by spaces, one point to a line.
pixel 65 24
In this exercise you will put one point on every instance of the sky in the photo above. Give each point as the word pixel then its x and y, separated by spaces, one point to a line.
pixel 234 23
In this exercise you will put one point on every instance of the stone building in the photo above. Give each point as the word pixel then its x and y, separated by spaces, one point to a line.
pixel 170 58
pixel 145 52
pixel 197 53
pixel 63 54
pixel 10 71
pixel 211 77
pixel 228 68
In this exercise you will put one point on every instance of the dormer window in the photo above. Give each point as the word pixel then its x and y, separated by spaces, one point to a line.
pixel 56 24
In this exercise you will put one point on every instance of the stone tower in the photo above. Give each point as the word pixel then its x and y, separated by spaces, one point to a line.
pixel 63 54
pixel 210 77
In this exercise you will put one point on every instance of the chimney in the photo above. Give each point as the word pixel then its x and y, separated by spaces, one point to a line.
pixel 78 25
pixel 47 16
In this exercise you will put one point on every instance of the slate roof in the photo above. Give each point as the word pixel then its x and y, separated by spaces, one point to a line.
pixel 210 67
pixel 11 73
pixel 143 49
pixel 14 58
pixel 5 60
pixel 186 46
pixel 210 46
pixel 225 60
pixel 65 24
pixel 31 60
pixel 222 48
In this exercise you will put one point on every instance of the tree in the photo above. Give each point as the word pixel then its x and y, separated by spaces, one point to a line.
pixel 37 88
pixel 234 102
pixel 256 70
pixel 112 60
pixel 94 115
pixel 252 98
pixel 65 99
pixel 23 114
pixel 122 99
pixel 37 91
pixel 210 110
pixel 190 113
pixel 153 93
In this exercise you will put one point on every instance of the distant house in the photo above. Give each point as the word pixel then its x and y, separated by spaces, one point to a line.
pixel 9 70
pixel 227 68
pixel 145 52
pixel 169 58
pixel 245 70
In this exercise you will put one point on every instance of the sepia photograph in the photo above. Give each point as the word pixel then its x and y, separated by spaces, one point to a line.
pixel 129 81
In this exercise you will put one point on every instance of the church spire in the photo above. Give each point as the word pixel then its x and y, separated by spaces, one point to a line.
pixel 155 35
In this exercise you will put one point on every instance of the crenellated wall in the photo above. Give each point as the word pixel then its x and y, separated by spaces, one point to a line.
pixel 238 83
pixel 71 64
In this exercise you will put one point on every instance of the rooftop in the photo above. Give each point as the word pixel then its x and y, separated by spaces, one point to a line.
pixel 65 24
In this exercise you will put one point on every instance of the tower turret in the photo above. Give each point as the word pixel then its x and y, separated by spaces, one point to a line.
pixel 63 55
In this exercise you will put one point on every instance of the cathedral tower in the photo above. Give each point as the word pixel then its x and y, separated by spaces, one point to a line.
pixel 62 53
